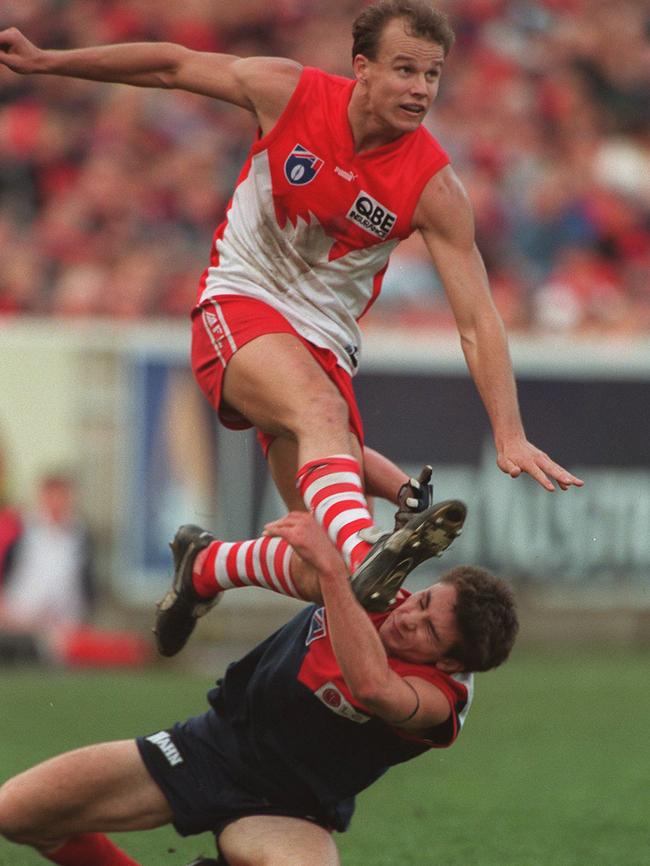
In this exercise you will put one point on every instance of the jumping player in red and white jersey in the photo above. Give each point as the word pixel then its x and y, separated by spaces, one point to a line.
pixel 301 724
pixel 340 172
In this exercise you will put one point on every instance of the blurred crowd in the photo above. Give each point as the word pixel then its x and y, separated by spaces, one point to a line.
pixel 109 195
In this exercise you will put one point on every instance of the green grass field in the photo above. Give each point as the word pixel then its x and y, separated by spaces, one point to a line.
pixel 552 769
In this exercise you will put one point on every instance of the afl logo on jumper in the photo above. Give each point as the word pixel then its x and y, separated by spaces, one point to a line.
pixel 372 216
pixel 317 627
pixel 302 166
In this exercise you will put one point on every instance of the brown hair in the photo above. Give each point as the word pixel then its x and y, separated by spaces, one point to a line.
pixel 421 18
pixel 486 616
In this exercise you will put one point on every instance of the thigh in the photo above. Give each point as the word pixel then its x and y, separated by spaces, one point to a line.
pixel 105 787
pixel 220 328
pixel 276 383
pixel 270 840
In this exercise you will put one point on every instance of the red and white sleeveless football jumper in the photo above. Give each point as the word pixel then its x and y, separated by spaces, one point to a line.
pixel 311 223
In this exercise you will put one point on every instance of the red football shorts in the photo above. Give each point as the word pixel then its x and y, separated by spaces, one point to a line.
pixel 224 324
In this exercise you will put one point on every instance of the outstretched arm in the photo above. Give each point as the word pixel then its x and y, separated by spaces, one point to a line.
pixel 444 217
pixel 410 703
pixel 262 85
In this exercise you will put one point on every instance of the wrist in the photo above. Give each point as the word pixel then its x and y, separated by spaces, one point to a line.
pixel 335 580
pixel 395 498
pixel 505 439
pixel 44 61
pixel 336 589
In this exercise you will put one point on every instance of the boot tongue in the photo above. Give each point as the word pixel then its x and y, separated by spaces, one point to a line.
pixel 372 534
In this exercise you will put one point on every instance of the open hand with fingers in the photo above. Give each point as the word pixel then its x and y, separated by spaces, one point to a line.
pixel 522 456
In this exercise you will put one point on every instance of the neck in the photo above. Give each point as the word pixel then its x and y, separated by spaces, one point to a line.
pixel 368 131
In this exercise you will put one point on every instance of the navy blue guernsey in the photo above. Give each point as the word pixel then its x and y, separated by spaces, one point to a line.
pixel 291 730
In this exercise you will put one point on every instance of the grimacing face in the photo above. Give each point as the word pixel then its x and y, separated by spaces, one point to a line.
pixel 401 84
pixel 423 628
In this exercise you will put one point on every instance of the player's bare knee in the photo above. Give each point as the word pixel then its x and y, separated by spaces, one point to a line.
pixel 16 819
pixel 322 411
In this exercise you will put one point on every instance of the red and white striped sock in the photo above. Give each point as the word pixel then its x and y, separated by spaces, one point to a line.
pixel 90 849
pixel 333 491
pixel 261 562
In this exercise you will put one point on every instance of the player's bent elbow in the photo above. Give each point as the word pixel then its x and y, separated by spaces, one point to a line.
pixel 371 695
pixel 179 68
pixel 468 339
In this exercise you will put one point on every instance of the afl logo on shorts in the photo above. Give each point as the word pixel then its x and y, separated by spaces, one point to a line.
pixel 302 166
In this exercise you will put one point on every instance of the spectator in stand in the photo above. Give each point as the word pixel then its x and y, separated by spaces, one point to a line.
pixel 555 159
pixel 55 543
pixel 49 594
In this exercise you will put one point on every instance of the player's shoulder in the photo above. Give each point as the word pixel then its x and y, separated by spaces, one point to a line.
pixel 271 83
pixel 268 83
pixel 326 89
pixel 327 79
pixel 267 73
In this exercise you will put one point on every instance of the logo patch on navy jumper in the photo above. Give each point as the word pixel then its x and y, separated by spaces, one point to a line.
pixel 317 627
pixel 302 166
pixel 334 699
pixel 373 217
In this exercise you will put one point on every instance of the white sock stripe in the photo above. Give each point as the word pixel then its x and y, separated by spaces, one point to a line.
pixel 348 547
pixel 349 500
pixel 286 569
pixel 242 571
pixel 257 562
pixel 253 573
pixel 220 570
pixel 319 484
pixel 270 556
pixel 336 524
pixel 338 496
pixel 321 512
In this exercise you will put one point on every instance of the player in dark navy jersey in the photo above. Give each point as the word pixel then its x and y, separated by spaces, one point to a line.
pixel 296 728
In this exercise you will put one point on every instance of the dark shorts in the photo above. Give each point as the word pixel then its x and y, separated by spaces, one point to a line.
pixel 188 767
pixel 224 324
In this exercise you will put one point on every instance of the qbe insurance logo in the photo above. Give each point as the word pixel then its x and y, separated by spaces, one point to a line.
pixel 302 166
pixel 372 216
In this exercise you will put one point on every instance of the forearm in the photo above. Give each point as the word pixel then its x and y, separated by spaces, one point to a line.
pixel 383 478
pixel 146 64
pixel 259 84
pixel 488 359
pixel 358 649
